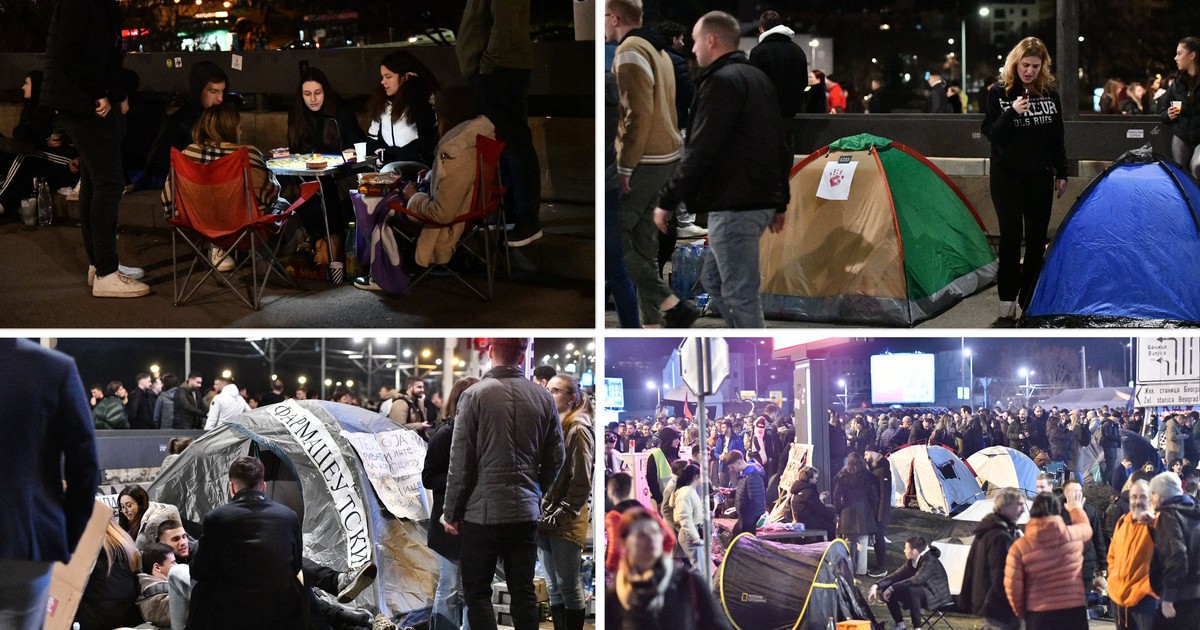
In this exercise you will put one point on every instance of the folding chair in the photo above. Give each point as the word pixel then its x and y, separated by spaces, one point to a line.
pixel 215 205
pixel 931 619
pixel 485 204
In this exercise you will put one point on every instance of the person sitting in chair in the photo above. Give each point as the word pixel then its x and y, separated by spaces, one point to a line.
pixel 451 188
pixel 920 584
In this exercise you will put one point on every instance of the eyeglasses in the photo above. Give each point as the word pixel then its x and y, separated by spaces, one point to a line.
pixel 556 391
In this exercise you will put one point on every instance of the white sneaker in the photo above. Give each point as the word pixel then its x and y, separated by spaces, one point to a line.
pixel 691 231
pixel 137 273
pixel 118 285
pixel 1008 309
pixel 225 265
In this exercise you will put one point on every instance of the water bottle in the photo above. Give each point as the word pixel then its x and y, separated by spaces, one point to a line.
pixel 352 266
pixel 45 204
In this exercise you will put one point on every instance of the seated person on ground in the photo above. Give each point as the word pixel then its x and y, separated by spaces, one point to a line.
pixel 153 602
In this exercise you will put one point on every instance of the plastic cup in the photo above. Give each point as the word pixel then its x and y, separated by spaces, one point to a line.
pixel 349 155
pixel 1177 104
pixel 360 151
pixel 337 272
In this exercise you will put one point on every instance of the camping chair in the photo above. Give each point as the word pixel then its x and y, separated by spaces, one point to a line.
pixel 485 205
pixel 215 205
pixel 931 619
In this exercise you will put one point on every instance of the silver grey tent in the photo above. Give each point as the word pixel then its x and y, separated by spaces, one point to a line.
pixel 313 468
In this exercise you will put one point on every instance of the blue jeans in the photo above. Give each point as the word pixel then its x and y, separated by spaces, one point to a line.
pixel 448 599
pixel 561 559
pixel 24 586
pixel 730 273
pixel 616 278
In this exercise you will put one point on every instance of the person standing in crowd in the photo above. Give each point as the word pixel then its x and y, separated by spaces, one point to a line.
pixel 1175 566
pixel 689 516
pixel 250 545
pixel 1173 439
pixel 408 407
pixel 83 82
pixel 48 478
pixel 563 530
pixel 856 497
pixel 1043 572
pixel 506 453
pixel 919 584
pixel 726 443
pixel 164 403
pixel 648 146
pixel 725 146
pixel 1181 112
pixel 495 56
pixel 982 591
pixel 140 408
pixel 658 469
pixel 749 495
pixel 938 101
pixel 881 468
pixel 838 443
pixel 784 62
pixel 110 411
pixel 448 597
pixel 651 591
pixel 815 98
pixel 1024 123
pixel 190 410
pixel 1110 442
pixel 1129 560
pixel 226 406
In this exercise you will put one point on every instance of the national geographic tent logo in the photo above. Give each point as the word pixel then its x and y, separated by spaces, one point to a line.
pixel 751 598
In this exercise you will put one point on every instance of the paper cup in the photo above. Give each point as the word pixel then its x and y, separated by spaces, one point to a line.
pixel 337 272
pixel 349 155
pixel 360 151
pixel 1177 104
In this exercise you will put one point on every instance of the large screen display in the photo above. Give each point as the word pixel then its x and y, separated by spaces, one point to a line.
pixel 901 378
pixel 614 393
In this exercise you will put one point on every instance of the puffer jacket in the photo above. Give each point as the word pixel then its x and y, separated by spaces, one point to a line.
pixel 506 452
pixel 689 516
pixel 1044 570
pixel 856 498
pixel 929 576
pixel 164 409
pixel 110 414
pixel 451 189
pixel 1129 559
pixel 983 585
pixel 751 496
pixel 1175 568
pixel 565 506
pixel 225 407
pixel 807 508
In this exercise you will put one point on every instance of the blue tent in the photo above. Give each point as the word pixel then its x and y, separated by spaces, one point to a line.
pixel 1127 253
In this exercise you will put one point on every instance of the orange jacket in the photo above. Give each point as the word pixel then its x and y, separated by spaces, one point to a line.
pixel 1129 572
pixel 1044 570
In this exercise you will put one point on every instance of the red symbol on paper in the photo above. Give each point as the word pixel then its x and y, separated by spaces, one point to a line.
pixel 836 177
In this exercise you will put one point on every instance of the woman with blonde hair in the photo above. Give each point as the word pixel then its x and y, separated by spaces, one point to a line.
pixel 448 598
pixel 1110 97
pixel 112 589
pixel 562 533
pixel 1024 122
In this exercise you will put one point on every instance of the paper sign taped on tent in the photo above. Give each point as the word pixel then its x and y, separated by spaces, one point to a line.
pixel 836 181
pixel 393 461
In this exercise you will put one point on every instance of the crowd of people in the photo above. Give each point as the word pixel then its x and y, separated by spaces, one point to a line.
pixel 152 569
pixel 84 121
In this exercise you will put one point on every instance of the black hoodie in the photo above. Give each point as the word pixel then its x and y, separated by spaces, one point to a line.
pixel 1032 143
pixel 983 578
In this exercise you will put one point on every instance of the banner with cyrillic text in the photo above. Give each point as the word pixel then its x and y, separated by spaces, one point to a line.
pixel 393 461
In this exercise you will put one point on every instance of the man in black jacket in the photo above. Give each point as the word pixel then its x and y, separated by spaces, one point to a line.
pixel 983 578
pixel 190 409
pixel 735 167
pixel 1175 567
pixel 207 86
pixel 250 552
pixel 783 61
pixel 920 584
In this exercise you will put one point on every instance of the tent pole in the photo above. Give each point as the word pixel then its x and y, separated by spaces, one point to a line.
pixel 706 494
pixel 324 395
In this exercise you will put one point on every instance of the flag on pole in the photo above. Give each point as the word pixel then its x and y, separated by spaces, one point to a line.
pixel 687 411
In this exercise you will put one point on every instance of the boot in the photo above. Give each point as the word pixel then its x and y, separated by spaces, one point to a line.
pixel 340 616
pixel 573 619
pixel 557 613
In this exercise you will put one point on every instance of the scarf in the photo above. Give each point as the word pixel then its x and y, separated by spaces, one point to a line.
pixel 644 592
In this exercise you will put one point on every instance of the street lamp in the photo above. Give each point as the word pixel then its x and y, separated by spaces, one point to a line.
pixel 983 12
pixel 845 394
pixel 1028 390
pixel 971 380
pixel 657 393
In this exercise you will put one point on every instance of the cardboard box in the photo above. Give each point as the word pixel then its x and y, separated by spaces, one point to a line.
pixel 854 625
pixel 67 581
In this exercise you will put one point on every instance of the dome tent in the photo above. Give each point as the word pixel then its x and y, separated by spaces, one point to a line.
pixel 1127 252
pixel 772 586
pixel 941 482
pixel 1003 467
pixel 902 246
pixel 312 468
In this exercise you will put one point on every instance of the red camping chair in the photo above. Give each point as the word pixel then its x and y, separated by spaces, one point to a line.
pixel 485 204
pixel 215 205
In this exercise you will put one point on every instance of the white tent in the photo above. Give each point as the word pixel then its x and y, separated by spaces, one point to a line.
pixel 1002 467
pixel 941 482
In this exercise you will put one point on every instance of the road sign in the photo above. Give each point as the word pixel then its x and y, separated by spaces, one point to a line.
pixel 1168 359
pixel 1167 394
pixel 704 363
